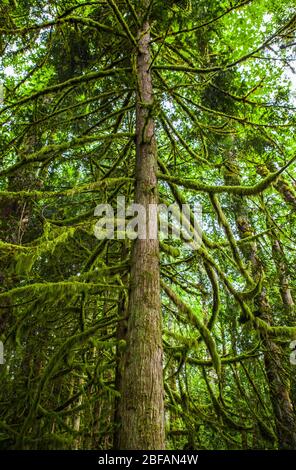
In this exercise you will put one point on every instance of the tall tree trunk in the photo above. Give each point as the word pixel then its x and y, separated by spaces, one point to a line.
pixel 274 355
pixel 142 403
pixel 121 337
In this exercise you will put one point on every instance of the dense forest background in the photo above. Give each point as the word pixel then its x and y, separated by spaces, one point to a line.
pixel 139 344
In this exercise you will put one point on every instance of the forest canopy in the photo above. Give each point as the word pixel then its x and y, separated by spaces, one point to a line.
pixel 146 343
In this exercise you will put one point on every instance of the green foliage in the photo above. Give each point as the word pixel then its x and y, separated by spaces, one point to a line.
pixel 225 123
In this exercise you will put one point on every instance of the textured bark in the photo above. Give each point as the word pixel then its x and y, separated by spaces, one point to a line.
pixel 142 405
pixel 77 420
pixel 275 359
pixel 288 302
pixel 279 384
pixel 121 338
pixel 284 280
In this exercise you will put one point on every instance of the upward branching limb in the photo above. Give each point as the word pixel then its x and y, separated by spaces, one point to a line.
pixel 122 21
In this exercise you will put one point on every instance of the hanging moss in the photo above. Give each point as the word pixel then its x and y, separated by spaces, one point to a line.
pixel 204 331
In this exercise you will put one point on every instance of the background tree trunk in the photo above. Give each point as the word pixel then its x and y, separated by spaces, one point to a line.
pixel 275 359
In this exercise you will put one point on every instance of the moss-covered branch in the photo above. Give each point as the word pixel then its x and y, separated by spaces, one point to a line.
pixel 217 189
